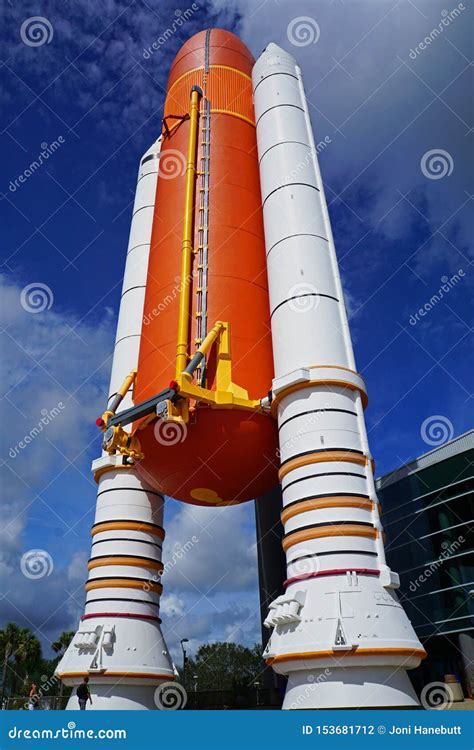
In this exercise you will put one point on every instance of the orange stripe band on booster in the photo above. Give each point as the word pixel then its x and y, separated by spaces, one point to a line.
pixel 124 560
pixel 123 583
pixel 321 457
pixel 320 503
pixel 137 675
pixel 421 653
pixel 330 530
pixel 148 528
pixel 315 383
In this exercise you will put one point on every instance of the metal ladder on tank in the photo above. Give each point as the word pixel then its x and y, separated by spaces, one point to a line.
pixel 203 235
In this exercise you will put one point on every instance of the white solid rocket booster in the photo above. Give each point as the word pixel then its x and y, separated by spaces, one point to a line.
pixel 120 631
pixel 339 631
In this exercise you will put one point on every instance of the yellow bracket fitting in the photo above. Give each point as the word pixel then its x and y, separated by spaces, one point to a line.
pixel 124 443
pixel 118 398
pixel 227 395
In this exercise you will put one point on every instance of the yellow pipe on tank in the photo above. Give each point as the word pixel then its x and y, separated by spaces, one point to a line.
pixel 187 241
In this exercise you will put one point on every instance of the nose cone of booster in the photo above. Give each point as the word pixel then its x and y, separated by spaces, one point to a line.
pixel 273 60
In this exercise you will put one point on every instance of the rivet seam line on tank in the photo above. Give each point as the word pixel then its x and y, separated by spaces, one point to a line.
pixel 131 288
pixel 123 559
pixel 115 539
pixel 128 524
pixel 312 504
pixel 317 476
pixel 130 615
pixel 291 236
pixel 132 489
pixel 340 530
pixel 206 50
pixel 337 522
pixel 283 143
pixel 279 106
pixel 141 244
pixel 290 185
pixel 270 75
pixel 301 296
pixel 141 602
pixel 316 411
pixel 111 582
pixel 332 552
pixel 328 573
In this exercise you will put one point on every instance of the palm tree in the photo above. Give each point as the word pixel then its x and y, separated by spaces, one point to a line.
pixel 59 647
pixel 10 637
pixel 27 652
pixel 60 644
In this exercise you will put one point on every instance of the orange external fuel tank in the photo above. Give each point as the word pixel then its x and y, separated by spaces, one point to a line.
pixel 226 454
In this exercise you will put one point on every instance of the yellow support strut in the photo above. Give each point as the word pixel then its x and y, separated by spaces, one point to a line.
pixel 187 241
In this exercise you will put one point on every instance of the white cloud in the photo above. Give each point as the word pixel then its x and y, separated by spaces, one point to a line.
pixel 381 117
pixel 171 605
pixel 211 578
pixel 48 358
pixel 210 548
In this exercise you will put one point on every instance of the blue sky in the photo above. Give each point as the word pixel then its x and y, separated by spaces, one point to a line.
pixel 382 103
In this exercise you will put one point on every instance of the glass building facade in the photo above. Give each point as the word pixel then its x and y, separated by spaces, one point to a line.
pixel 428 512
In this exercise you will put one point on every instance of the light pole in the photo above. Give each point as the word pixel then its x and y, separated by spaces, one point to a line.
pixel 256 685
pixel 182 641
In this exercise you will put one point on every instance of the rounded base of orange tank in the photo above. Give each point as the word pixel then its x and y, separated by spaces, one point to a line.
pixel 236 462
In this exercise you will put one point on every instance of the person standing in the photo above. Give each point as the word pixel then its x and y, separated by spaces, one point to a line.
pixel 83 694
pixel 33 703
